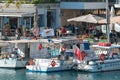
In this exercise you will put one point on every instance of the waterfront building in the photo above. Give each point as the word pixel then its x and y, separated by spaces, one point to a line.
pixel 23 14
pixel 52 13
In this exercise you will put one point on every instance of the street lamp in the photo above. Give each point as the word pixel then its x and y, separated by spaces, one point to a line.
pixel 108 21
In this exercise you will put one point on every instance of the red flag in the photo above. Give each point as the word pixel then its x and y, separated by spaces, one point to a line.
pixel 78 54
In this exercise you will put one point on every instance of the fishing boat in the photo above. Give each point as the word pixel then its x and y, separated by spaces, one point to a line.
pixel 16 53
pixel 104 57
pixel 56 55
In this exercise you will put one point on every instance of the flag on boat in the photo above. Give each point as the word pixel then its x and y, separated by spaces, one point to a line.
pixel 78 53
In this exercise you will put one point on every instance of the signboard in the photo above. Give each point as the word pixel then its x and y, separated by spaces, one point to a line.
pixel 47 32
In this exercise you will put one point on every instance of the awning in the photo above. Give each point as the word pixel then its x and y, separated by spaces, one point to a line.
pixel 89 18
pixel 115 19
pixel 16 14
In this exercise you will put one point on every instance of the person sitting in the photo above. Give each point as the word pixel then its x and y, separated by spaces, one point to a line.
pixel 17 33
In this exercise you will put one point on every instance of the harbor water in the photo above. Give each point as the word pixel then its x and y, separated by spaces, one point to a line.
pixel 22 74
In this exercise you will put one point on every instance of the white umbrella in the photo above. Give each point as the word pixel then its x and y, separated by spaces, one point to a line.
pixel 90 18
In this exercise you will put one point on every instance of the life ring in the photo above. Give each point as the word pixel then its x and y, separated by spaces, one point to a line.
pixel 84 54
pixel 53 63
pixel 102 57
pixel 31 62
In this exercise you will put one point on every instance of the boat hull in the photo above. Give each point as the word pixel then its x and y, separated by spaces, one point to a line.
pixel 44 69
pixel 44 65
pixel 108 65
pixel 12 63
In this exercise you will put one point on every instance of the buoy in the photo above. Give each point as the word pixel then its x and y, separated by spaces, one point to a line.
pixel 40 47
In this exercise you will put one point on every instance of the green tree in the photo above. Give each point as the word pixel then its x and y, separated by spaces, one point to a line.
pixel 36 1
pixel 52 1
pixel 16 2
pixel 8 2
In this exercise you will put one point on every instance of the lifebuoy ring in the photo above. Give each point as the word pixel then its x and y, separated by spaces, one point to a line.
pixel 84 54
pixel 53 63
pixel 31 62
pixel 102 57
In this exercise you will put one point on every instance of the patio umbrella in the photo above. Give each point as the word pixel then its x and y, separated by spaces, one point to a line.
pixel 89 18
pixel 115 19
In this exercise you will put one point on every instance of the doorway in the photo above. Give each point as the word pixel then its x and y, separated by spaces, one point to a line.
pixel 49 19
pixel 13 22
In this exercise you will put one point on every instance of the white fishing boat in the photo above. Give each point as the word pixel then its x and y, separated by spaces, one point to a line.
pixel 56 55
pixel 16 53
pixel 104 57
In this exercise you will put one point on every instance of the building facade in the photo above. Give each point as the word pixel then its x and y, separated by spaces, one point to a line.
pixel 51 15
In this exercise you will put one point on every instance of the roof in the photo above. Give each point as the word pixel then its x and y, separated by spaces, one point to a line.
pixel 107 47
pixel 16 14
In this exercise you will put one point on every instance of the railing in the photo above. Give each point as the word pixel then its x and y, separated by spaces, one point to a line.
pixel 10 34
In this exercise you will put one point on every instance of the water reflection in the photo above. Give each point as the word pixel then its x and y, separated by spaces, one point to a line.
pixel 64 75
pixel 11 74
pixel 112 75
pixel 22 74
pixel 74 75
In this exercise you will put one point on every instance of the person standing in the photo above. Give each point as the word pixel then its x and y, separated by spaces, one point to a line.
pixel 63 31
pixel 113 37
pixel 17 33
pixel 96 34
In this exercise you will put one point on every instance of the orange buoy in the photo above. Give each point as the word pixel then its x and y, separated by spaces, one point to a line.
pixel 40 47
pixel 31 62
pixel 102 57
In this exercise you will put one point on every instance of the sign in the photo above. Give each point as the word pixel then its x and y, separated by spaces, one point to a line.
pixel 47 32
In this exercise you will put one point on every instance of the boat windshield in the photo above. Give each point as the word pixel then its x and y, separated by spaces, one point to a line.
pixel 109 50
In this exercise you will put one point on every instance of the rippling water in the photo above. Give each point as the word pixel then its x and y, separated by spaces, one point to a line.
pixel 22 74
